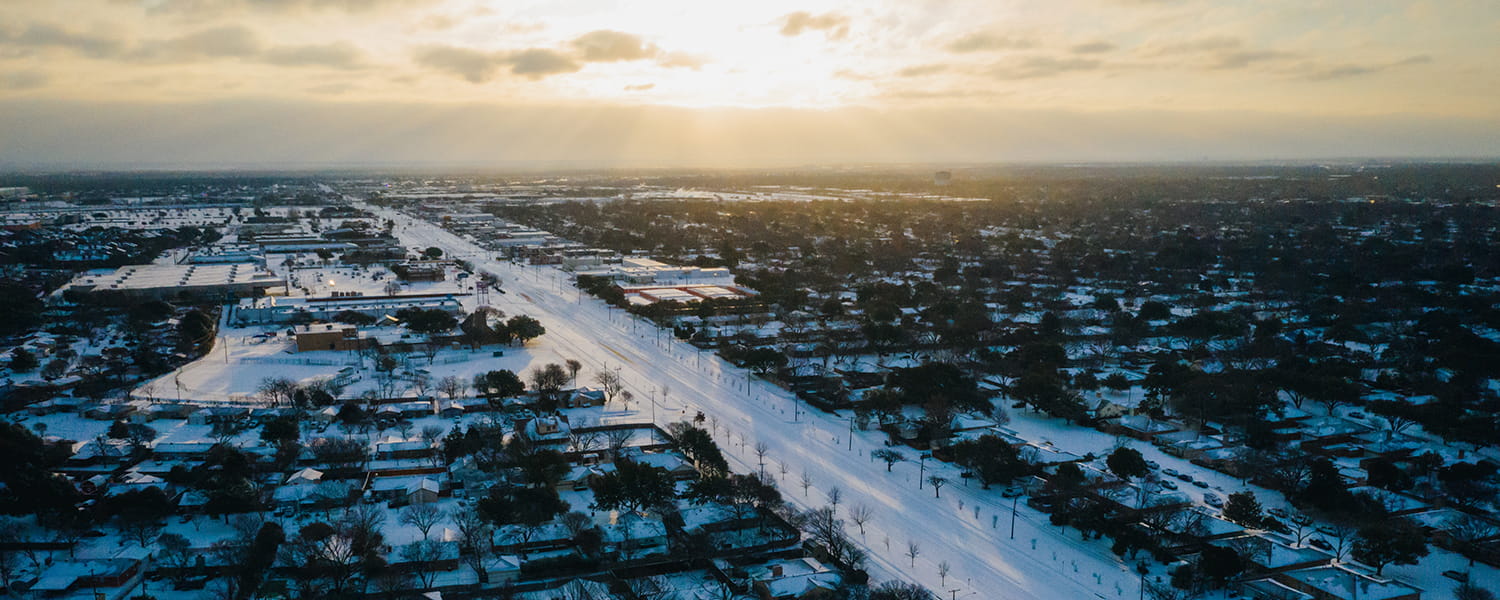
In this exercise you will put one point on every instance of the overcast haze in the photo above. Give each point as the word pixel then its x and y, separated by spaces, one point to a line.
pixel 246 82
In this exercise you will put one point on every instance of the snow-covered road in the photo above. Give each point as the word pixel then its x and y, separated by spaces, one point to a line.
pixel 967 528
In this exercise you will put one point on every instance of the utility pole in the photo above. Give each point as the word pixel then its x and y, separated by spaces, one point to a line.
pixel 921 469
pixel 1013 502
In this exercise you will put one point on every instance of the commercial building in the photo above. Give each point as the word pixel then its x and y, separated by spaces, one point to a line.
pixel 215 282
pixel 286 310
pixel 311 338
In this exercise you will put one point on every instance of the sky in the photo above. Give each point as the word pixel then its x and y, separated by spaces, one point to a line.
pixel 202 83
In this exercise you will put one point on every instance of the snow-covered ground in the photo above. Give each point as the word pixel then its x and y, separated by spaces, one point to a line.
pixel 966 528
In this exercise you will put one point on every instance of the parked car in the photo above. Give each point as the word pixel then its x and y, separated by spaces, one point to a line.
pixel 1201 483
pixel 1213 500
pixel 1153 464
pixel 1169 484
pixel 1185 477
pixel 1171 472
pixel 1278 512
pixel 1320 544
pixel 1014 492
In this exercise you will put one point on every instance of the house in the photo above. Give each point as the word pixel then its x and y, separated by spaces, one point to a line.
pixel 584 398
pixel 714 517
pixel 403 449
pixel 635 534
pixel 1345 582
pixel 546 429
pixel 321 495
pixel 528 541
pixel 1272 553
pixel 1140 427
pixel 794 579
pixel 108 412
pixel 423 491
pixel 445 560
pixel 674 464
pixel 308 476
pixel 1187 444
pixel 107 578
pixel 188 450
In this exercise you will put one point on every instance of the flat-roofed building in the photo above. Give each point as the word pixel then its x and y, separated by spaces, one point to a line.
pixel 173 282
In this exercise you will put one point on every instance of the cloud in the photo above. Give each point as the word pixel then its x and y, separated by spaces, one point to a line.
pixel 1347 70
pixel 922 70
pixel 1093 48
pixel 834 25
pixel 536 63
pixel 472 65
pixel 1202 44
pixel 1037 67
pixel 205 8
pixel 610 46
pixel 45 35
pixel 679 59
pixel 226 42
pixel 982 41
pixel 17 81
pixel 230 41
pixel 1218 53
pixel 1239 59
pixel 478 66
pixel 337 55
pixel 639 87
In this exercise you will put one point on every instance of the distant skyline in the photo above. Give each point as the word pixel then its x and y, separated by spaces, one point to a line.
pixel 203 83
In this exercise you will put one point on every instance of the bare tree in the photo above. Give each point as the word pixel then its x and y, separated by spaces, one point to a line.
pixel 654 587
pixel 1343 539
pixel 475 539
pixel 943 570
pixel 761 448
pixel 890 457
pixel 937 483
pixel 423 555
pixel 913 550
pixel 1301 527
pixel 277 391
pixel 609 382
pixel 1468 590
pixel 576 523
pixel 452 386
pixel 573 367
pixel 860 514
pixel 617 439
pixel 582 441
pixel 835 495
pixel 1467 532
pixel 806 481
pixel 423 516
pixel 141 531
